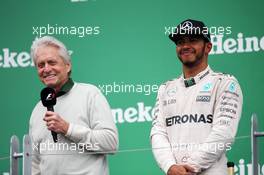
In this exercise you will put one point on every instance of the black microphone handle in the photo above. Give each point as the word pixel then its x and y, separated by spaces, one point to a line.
pixel 50 108
pixel 54 134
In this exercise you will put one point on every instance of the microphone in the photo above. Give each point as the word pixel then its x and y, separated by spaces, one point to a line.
pixel 230 168
pixel 48 98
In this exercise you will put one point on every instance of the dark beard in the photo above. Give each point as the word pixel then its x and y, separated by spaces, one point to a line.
pixel 198 59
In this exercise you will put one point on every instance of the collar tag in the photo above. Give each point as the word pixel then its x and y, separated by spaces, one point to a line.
pixel 189 82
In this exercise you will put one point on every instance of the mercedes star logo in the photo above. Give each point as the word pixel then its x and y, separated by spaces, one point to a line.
pixel 187 25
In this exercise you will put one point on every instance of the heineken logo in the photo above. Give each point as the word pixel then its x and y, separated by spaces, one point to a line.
pixel 9 58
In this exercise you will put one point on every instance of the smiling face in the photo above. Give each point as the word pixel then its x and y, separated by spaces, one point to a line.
pixel 52 69
pixel 192 50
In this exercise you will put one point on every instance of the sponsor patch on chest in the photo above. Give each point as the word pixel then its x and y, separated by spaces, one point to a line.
pixel 203 98
pixel 169 102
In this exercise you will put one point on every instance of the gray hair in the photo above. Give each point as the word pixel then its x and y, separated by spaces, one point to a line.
pixel 49 41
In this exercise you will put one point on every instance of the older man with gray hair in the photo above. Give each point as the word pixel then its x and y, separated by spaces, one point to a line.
pixel 82 118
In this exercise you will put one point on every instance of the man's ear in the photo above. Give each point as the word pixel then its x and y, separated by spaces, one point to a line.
pixel 208 47
pixel 68 65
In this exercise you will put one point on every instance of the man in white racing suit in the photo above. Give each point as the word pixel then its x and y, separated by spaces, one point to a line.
pixel 197 114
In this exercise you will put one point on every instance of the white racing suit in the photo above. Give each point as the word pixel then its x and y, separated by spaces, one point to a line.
pixel 195 122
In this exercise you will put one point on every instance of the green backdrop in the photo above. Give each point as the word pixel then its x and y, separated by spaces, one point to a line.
pixel 125 42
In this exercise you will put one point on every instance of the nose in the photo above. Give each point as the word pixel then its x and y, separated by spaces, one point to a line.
pixel 47 68
pixel 182 42
pixel 185 44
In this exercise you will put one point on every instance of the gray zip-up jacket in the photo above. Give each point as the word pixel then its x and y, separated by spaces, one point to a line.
pixel 91 135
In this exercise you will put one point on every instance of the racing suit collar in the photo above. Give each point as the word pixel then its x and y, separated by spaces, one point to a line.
pixel 194 80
